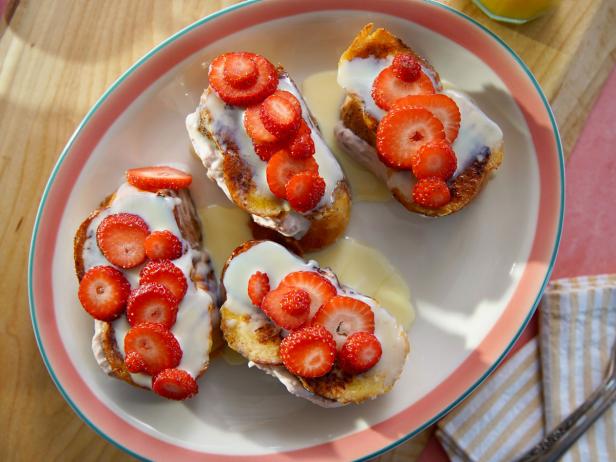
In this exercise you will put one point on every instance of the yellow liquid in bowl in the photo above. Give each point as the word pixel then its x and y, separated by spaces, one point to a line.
pixel 520 10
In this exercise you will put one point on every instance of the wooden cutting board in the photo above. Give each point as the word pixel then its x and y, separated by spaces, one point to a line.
pixel 58 56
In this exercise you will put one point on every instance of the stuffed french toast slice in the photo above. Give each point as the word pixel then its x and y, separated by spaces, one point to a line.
pixel 428 142
pixel 148 283
pixel 292 319
pixel 258 141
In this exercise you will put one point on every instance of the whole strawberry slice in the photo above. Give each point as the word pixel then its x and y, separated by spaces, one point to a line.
pixel 387 88
pixel 435 159
pixel 304 191
pixel 166 273
pixel 318 287
pixel 175 384
pixel 161 245
pixel 360 352
pixel 279 115
pixel 152 303
pixel 155 178
pixel 240 70
pixel 281 168
pixel 402 131
pixel 308 352
pixel 103 292
pixel 121 238
pixel 157 347
pixel 255 128
pixel 431 192
pixel 441 106
pixel 258 287
pixel 343 316
pixel 277 306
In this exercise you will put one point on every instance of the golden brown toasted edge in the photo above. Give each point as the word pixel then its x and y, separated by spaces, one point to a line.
pixel 188 222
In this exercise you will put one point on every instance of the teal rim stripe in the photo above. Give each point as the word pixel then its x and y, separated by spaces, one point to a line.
pixel 172 39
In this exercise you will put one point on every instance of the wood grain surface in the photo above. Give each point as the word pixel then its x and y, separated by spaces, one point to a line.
pixel 57 57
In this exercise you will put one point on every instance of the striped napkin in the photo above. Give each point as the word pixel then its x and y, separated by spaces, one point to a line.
pixel 544 381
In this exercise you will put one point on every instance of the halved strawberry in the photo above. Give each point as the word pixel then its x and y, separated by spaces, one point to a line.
pixel 155 178
pixel 296 302
pixel 166 273
pixel 402 131
pixel 360 352
pixel 431 193
pixel 319 288
pixel 434 159
pixel 134 362
pixel 387 88
pixel 121 239
pixel 301 145
pixel 304 191
pixel 152 303
pixel 240 70
pixel 162 245
pixel 175 384
pixel 255 128
pixel 103 292
pixel 308 352
pixel 441 106
pixel 279 115
pixel 157 347
pixel 406 67
pixel 258 287
pixel 281 167
pixel 272 307
pixel 342 316
pixel 265 84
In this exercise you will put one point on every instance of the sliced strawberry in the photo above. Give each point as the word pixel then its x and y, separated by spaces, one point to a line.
pixel 166 273
pixel 258 287
pixel 156 346
pixel 319 288
pixel 134 362
pixel 272 307
pixel 161 245
pixel 296 302
pixel 360 352
pixel 279 115
pixel 308 352
pixel 387 88
pixel 304 191
pixel 290 97
pixel 402 131
pixel 343 316
pixel 240 70
pixel 431 193
pixel 121 239
pixel 255 128
pixel 281 167
pixel 434 159
pixel 152 303
pixel 175 384
pixel 267 150
pixel 441 106
pixel 265 84
pixel 103 292
pixel 155 178
pixel 301 145
pixel 406 67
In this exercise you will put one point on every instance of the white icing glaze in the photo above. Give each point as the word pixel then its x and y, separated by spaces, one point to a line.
pixel 193 326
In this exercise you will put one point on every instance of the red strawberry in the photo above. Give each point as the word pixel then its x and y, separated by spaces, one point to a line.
pixel 175 384
pixel 240 70
pixel 121 238
pixel 301 145
pixel 402 131
pixel 290 97
pixel 155 178
pixel 258 287
pixel 156 346
pixel 360 352
pixel 431 192
pixel 162 245
pixel 265 84
pixel 134 362
pixel 387 88
pixel 406 67
pixel 343 316
pixel 304 191
pixel 272 307
pixel 296 302
pixel 281 167
pixel 308 352
pixel 279 115
pixel 255 128
pixel 267 150
pixel 152 303
pixel 166 273
pixel 319 288
pixel 103 292
pixel 441 106
pixel 434 159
